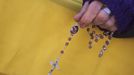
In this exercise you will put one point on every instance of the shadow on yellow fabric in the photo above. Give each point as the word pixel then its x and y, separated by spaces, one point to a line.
pixel 2 74
pixel 32 33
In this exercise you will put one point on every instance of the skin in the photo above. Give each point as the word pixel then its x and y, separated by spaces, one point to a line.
pixel 92 13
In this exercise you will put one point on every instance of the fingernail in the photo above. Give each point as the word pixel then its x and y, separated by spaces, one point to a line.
pixel 76 19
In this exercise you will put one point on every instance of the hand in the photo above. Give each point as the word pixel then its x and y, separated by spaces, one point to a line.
pixel 92 13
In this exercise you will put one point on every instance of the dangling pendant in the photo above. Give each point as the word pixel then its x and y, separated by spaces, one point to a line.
pixel 55 65
pixel 94 37
pixel 107 42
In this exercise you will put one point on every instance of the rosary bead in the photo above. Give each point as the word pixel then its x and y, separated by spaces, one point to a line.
pixel 101 36
pixel 101 53
pixel 92 37
pixel 96 40
pixel 62 52
pixel 107 42
pixel 74 30
pixel 104 47
pixel 90 42
pixel 93 26
pixel 88 29
pixel 106 33
pixel 97 36
pixel 93 32
pixel 51 70
pixel 54 64
pixel 109 37
pixel 67 43
pixel 69 39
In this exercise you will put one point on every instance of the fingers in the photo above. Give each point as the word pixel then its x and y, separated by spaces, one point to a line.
pixel 105 21
pixel 78 16
pixel 92 10
pixel 110 24
pixel 94 14
pixel 101 18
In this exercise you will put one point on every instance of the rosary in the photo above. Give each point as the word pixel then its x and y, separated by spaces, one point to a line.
pixel 94 38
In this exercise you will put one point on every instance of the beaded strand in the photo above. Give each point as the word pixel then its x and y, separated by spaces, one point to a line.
pixel 54 64
pixel 94 38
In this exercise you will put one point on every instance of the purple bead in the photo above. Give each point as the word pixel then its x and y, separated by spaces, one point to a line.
pixel 74 30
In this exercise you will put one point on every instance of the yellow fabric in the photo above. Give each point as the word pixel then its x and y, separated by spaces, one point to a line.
pixel 32 32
